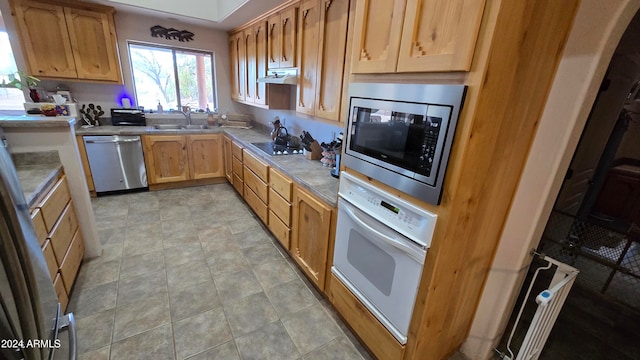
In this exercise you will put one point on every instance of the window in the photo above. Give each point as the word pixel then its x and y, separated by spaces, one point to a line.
pixel 172 77
pixel 10 98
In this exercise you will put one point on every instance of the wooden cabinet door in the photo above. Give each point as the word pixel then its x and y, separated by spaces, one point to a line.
pixel 439 35
pixel 238 66
pixel 205 156
pixel 165 158
pixel 234 62
pixel 45 41
pixel 308 37
pixel 274 41
pixel 93 41
pixel 288 37
pixel 334 18
pixel 260 39
pixel 311 231
pixel 377 32
pixel 228 158
pixel 250 65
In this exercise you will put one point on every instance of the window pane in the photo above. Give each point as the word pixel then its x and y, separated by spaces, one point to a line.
pixel 195 80
pixel 10 98
pixel 153 76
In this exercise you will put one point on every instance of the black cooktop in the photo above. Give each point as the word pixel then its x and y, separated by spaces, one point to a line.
pixel 272 149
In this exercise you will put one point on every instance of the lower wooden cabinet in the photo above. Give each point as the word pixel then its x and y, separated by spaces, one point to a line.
pixel 173 158
pixel 228 158
pixel 311 230
pixel 61 240
pixel 205 156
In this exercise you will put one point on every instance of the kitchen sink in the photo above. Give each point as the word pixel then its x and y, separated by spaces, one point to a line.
pixel 178 127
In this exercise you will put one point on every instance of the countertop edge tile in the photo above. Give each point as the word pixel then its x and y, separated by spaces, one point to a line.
pixel 44 175
pixel 37 121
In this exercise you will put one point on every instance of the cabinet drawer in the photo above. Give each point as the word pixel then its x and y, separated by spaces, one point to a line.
pixel 38 225
pixel 254 183
pixel 71 263
pixel 281 184
pixel 256 165
pixel 238 184
pixel 54 203
pixel 236 166
pixel 63 232
pixel 61 292
pixel 52 264
pixel 280 206
pixel 280 230
pixel 256 204
pixel 236 150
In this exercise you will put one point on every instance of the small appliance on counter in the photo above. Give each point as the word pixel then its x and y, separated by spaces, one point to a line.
pixel 128 117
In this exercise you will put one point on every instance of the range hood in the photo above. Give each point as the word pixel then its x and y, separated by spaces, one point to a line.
pixel 286 77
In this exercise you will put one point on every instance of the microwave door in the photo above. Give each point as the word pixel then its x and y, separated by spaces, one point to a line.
pixel 29 302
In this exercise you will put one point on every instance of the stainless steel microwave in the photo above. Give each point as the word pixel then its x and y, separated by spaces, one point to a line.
pixel 401 134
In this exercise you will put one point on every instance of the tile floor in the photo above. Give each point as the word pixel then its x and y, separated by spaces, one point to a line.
pixel 191 274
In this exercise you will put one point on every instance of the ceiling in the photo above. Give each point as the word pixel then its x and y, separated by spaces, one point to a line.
pixel 218 14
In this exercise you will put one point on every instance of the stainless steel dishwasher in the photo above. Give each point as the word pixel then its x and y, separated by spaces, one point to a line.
pixel 116 162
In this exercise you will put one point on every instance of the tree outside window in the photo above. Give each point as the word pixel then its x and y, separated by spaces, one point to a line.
pixel 172 77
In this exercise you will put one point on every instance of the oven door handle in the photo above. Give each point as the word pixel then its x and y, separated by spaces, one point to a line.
pixel 414 252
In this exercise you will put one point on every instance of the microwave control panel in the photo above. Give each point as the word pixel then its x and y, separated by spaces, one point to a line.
pixel 429 145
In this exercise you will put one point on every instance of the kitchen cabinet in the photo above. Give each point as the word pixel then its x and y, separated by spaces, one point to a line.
pixel 248 56
pixel 415 35
pixel 58 232
pixel 228 158
pixel 280 194
pixel 172 158
pixel 281 40
pixel 238 66
pixel 165 157
pixel 205 156
pixel 311 229
pixel 255 45
pixel 322 42
pixel 256 190
pixel 70 40
pixel 237 168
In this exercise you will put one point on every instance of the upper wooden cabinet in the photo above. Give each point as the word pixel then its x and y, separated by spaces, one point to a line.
pixel 71 40
pixel 255 43
pixel 237 53
pixel 322 41
pixel 281 35
pixel 415 35
pixel 248 56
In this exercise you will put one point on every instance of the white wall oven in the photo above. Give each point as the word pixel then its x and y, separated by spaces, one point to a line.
pixel 380 247
pixel 401 134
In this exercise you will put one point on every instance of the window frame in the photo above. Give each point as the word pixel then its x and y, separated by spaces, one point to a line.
pixel 174 49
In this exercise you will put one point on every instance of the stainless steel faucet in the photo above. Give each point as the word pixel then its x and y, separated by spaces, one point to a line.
pixel 187 113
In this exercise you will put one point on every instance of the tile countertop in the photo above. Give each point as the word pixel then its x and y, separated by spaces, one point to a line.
pixel 37 172
pixel 310 174
pixel 36 121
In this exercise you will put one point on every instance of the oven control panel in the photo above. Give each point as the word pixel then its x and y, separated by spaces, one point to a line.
pixel 415 223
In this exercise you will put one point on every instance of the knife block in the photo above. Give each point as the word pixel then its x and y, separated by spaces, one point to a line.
pixel 315 153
